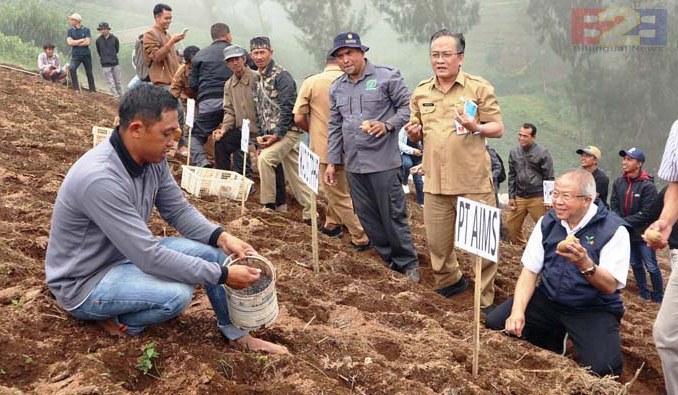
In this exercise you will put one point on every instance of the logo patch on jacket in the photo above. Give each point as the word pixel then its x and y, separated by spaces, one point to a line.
pixel 590 240
pixel 370 85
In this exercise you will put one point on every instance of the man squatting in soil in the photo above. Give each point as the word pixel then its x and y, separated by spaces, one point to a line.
pixel 104 264
pixel 579 291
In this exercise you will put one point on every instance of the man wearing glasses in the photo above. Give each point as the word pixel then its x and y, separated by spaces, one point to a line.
pixel 455 160
pixel 579 291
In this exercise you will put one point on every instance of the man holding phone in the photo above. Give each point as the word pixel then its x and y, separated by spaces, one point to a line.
pixel 455 161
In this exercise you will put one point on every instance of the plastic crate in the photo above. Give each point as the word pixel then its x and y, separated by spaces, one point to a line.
pixel 201 181
pixel 99 134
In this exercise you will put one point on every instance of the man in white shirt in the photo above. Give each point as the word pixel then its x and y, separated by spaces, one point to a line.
pixel 578 294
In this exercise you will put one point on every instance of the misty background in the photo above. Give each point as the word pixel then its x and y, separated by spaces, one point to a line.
pixel 576 96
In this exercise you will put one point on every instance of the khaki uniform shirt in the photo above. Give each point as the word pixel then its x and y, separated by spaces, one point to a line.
pixel 314 99
pixel 239 102
pixel 454 164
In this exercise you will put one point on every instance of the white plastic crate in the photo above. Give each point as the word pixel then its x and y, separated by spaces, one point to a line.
pixel 99 134
pixel 201 181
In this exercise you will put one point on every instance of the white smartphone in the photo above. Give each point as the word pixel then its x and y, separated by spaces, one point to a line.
pixel 185 31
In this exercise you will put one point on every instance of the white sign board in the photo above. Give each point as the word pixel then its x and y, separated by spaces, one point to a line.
pixel 477 229
pixel 190 112
pixel 548 192
pixel 245 136
pixel 309 167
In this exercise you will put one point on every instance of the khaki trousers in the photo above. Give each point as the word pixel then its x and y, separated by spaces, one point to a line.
pixel 666 334
pixel 340 206
pixel 515 218
pixel 285 151
pixel 440 213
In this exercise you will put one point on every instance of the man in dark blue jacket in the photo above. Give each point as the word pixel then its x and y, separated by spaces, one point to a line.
pixel 633 195
pixel 578 294
pixel 208 77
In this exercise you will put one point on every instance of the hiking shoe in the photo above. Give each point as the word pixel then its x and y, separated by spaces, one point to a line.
pixel 360 247
pixel 335 233
pixel 268 208
pixel 454 289
pixel 281 208
pixel 413 274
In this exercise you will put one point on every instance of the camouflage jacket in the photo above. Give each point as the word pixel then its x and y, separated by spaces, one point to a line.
pixel 274 98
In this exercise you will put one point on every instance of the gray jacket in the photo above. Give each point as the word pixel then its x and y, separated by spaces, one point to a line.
pixel 100 221
pixel 379 95
pixel 528 168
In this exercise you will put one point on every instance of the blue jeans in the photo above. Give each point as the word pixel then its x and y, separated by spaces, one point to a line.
pixel 643 257
pixel 410 161
pixel 137 299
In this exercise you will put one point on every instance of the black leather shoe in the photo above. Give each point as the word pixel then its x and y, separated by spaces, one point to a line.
pixel 336 232
pixel 360 247
pixel 454 289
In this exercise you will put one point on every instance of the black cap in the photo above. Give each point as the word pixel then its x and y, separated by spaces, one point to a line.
pixel 348 40
pixel 103 25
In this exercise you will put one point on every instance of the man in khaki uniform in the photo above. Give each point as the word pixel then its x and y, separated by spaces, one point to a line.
pixel 456 162
pixel 312 113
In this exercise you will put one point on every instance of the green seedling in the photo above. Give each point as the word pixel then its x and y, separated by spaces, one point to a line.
pixel 146 359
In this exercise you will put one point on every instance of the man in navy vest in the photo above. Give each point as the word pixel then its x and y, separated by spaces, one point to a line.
pixel 578 294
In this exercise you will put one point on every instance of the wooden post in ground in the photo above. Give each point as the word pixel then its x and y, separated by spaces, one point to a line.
pixel 188 148
pixel 314 235
pixel 476 314
pixel 242 185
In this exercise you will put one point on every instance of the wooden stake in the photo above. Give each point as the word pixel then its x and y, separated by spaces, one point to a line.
pixel 314 234
pixel 476 315
pixel 242 185
pixel 188 156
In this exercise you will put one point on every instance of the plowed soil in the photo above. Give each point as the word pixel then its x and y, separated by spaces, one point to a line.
pixel 355 327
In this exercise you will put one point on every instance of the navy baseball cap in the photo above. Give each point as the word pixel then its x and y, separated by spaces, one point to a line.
pixel 347 40
pixel 635 153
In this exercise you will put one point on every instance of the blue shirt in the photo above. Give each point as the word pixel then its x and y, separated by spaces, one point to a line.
pixel 380 94
pixel 78 34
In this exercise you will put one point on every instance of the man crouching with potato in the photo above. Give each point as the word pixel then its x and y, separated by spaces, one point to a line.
pixel 578 294
pixel 103 263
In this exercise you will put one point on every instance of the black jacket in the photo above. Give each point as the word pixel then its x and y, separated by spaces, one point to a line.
pixel 656 211
pixel 528 168
pixel 108 48
pixel 633 199
pixel 209 72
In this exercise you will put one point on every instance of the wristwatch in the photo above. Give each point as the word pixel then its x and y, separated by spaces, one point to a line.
pixel 590 271
pixel 479 129
pixel 389 127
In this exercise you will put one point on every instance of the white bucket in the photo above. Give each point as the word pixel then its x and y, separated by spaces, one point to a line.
pixel 253 311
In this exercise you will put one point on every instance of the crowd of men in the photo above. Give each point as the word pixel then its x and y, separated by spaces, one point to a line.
pixel 363 121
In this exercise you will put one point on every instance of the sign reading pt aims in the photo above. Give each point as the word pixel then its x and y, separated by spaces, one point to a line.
pixel 477 229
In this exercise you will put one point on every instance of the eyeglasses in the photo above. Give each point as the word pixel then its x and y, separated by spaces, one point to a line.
pixel 566 197
pixel 444 55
